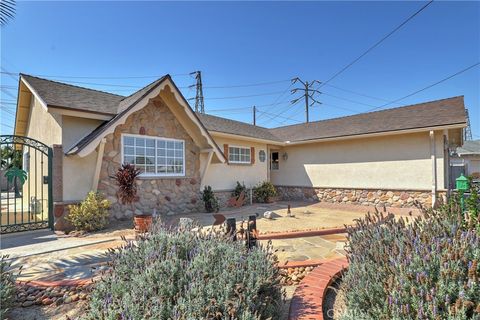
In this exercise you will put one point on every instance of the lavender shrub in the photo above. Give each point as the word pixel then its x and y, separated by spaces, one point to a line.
pixel 426 269
pixel 178 274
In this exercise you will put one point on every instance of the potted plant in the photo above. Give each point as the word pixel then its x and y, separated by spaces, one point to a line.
pixel 126 177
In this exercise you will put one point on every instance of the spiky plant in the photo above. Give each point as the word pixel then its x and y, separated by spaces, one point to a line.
pixel 125 177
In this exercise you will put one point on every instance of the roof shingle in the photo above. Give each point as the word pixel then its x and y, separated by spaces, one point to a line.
pixel 213 123
pixel 57 94
pixel 429 114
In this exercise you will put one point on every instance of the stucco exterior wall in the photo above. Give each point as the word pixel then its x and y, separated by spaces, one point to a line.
pixel 223 176
pixel 75 128
pixel 163 195
pixel 46 128
pixel 75 185
pixel 395 162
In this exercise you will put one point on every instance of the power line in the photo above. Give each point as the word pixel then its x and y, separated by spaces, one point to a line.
pixel 349 100
pixel 247 85
pixel 377 43
pixel 355 92
pixel 6 125
pixel 275 115
pixel 427 87
pixel 245 96
pixel 96 77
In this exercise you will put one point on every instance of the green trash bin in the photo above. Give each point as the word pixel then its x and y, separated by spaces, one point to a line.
pixel 462 186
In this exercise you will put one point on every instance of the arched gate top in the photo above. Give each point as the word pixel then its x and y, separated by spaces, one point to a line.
pixel 13 139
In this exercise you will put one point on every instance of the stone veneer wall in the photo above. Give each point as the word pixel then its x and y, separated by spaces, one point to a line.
pixel 224 195
pixel 387 198
pixel 165 195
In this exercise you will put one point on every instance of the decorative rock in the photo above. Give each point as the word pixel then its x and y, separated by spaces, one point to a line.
pixel 27 303
pixel 47 301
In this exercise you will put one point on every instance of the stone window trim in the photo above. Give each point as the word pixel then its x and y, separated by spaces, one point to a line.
pixel 144 175
pixel 247 154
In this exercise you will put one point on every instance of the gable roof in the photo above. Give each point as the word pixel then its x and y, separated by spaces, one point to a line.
pixel 217 124
pixel 471 147
pixel 437 113
pixel 57 94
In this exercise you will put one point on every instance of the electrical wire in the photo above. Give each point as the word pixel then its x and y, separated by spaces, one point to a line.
pixel 377 43
pixel 427 87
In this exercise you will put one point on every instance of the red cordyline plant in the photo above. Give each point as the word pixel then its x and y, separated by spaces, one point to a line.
pixel 125 177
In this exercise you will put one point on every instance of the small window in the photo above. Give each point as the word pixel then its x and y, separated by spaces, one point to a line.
pixel 239 155
pixel 275 162
pixel 155 156
pixel 262 156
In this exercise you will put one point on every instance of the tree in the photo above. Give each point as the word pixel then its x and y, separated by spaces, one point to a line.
pixel 7 11
pixel 11 163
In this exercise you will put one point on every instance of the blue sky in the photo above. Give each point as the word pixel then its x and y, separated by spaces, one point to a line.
pixel 235 43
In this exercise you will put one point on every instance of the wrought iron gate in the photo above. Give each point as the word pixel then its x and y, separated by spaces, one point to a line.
pixel 25 184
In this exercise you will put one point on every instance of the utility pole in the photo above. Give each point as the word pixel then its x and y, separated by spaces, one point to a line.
pixel 308 93
pixel 254 115
pixel 199 105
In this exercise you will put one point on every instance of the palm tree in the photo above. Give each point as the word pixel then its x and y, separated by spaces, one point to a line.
pixel 7 11
pixel 11 162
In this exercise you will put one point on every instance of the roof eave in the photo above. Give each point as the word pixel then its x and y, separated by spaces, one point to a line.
pixel 380 133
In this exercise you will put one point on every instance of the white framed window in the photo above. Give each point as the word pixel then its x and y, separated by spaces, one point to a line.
pixel 154 156
pixel 239 155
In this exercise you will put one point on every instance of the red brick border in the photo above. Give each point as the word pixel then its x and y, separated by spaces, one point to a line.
pixel 300 234
pixel 308 297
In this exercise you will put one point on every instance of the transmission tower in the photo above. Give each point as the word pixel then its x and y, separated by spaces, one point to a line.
pixel 199 105
pixel 308 95
pixel 467 132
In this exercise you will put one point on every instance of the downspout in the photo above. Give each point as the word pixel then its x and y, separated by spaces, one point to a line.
pixel 434 167
pixel 98 166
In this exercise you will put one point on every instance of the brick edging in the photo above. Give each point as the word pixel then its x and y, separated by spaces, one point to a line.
pixel 307 300
pixel 300 234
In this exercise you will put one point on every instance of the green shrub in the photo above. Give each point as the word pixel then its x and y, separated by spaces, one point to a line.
pixel 7 286
pixel 264 191
pixel 91 214
pixel 239 188
pixel 472 206
pixel 210 200
pixel 178 274
pixel 426 269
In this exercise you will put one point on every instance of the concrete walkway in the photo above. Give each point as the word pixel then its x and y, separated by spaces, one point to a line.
pixel 45 256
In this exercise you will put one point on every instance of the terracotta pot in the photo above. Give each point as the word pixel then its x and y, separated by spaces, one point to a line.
pixel 143 222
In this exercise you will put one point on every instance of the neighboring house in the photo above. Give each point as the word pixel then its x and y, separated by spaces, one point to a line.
pixel 467 159
pixel 389 157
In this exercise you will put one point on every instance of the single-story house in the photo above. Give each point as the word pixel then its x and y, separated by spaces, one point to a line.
pixel 466 159
pixel 390 157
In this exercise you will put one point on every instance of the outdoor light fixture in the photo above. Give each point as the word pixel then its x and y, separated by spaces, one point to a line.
pixel 285 156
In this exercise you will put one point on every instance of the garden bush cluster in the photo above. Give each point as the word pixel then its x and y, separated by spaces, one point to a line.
pixel 178 274
pixel 210 200
pixel 264 192
pixel 91 214
pixel 428 268
pixel 7 286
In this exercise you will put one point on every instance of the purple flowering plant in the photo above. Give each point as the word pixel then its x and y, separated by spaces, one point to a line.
pixel 424 267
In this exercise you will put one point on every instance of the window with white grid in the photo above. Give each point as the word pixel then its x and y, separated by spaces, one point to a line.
pixel 154 156
pixel 239 155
